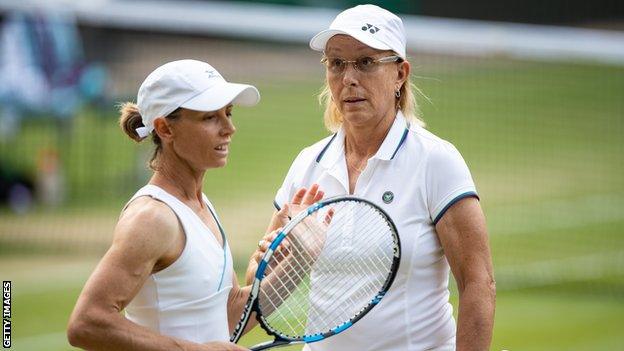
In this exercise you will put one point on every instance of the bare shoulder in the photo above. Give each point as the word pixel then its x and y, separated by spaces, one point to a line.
pixel 147 225
pixel 144 234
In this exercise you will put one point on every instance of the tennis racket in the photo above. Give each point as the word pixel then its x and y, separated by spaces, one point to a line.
pixel 328 267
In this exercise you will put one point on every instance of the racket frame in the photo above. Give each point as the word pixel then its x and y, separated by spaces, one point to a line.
pixel 252 302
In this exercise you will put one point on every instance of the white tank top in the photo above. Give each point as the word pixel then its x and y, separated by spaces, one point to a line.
pixel 188 299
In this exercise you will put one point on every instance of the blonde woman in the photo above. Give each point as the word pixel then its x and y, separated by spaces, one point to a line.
pixel 380 151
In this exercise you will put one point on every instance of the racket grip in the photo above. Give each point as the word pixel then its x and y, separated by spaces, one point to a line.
pixel 271 344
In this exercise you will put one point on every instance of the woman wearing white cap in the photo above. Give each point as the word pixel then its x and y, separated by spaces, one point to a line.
pixel 170 266
pixel 380 151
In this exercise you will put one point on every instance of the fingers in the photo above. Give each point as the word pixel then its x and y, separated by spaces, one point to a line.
pixel 284 214
pixel 257 256
pixel 298 197
pixel 226 346
pixel 284 247
pixel 237 348
pixel 329 216
pixel 282 250
pixel 307 197
pixel 303 199
pixel 279 218
pixel 310 195
pixel 319 196
pixel 266 240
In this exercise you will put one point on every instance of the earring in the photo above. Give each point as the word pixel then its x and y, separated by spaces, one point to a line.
pixel 397 94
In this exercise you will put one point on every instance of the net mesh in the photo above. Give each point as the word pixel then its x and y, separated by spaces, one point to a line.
pixel 543 141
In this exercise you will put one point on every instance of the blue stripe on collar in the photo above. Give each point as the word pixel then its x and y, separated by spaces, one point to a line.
pixel 402 141
pixel 320 155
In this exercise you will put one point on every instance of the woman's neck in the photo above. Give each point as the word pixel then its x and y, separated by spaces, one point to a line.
pixel 364 141
pixel 176 177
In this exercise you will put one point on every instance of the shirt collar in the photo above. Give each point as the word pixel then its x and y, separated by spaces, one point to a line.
pixel 395 138
pixel 332 151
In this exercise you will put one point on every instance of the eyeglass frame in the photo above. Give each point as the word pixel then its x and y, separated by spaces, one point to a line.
pixel 386 59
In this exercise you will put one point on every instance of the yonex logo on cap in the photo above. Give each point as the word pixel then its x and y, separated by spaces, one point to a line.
pixel 372 29
pixel 212 73
pixel 371 25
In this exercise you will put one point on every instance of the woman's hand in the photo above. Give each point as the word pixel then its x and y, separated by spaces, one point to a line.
pixel 223 346
pixel 302 199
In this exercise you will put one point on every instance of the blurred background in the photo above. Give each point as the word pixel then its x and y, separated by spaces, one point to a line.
pixel 531 92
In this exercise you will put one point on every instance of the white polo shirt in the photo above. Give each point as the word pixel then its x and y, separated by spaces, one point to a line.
pixel 415 177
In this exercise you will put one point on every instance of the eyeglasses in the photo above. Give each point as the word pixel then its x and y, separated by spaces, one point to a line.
pixel 337 65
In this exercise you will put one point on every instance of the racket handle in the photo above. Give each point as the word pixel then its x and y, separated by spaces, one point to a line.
pixel 271 344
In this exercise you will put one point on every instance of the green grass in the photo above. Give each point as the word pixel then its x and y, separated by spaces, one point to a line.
pixel 543 142
pixel 556 321
pixel 525 319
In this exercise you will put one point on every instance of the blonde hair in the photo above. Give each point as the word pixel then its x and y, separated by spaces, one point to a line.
pixel 130 119
pixel 406 103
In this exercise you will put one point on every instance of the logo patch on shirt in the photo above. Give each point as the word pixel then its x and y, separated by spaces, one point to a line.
pixel 387 197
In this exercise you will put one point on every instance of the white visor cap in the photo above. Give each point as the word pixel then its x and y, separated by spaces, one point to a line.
pixel 376 27
pixel 191 84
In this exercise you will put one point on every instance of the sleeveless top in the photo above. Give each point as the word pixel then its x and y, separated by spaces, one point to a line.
pixel 188 299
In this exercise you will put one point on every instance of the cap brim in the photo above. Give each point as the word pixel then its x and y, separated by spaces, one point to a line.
pixel 319 41
pixel 222 95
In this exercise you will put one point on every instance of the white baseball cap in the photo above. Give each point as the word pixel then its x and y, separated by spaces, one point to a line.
pixel 376 27
pixel 191 84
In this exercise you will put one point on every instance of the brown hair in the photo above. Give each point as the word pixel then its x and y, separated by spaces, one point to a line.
pixel 406 103
pixel 130 119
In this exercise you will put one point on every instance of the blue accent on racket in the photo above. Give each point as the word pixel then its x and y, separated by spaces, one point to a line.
pixel 323 272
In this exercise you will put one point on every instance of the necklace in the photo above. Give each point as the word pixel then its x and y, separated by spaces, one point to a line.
pixel 351 165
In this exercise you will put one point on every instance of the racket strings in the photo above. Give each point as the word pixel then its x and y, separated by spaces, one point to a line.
pixel 345 313
pixel 352 295
pixel 279 309
pixel 316 300
pixel 357 262
pixel 355 293
pixel 336 279
pixel 327 274
pixel 278 297
pixel 296 267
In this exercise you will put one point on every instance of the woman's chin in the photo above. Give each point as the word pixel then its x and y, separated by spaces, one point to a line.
pixel 357 117
pixel 221 163
pixel 218 163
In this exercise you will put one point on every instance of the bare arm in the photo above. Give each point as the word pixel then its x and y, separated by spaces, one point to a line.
pixel 463 236
pixel 144 237
pixel 236 303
